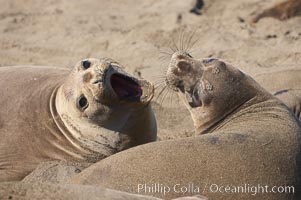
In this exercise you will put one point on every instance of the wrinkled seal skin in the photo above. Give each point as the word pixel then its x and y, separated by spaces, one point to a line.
pixel 51 113
pixel 245 136
pixel 286 86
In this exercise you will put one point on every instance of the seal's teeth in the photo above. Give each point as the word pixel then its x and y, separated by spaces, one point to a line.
pixel 192 99
pixel 195 100
pixel 97 82
pixel 188 97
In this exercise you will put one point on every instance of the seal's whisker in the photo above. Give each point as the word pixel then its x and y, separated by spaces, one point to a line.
pixel 163 96
pixel 160 85
pixel 164 66
pixel 164 58
pixel 174 45
pixel 185 41
pixel 157 87
pixel 159 80
pixel 161 91
pixel 192 45
pixel 189 41
pixel 185 38
pixel 164 52
pixel 159 77
pixel 174 98
pixel 168 49
pixel 181 40
pixel 171 96
pixel 173 48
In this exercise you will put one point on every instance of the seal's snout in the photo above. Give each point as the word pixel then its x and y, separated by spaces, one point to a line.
pixel 183 71
pixel 183 75
pixel 183 66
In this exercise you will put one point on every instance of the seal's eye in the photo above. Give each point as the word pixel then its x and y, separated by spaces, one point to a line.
pixel 82 102
pixel 209 60
pixel 86 64
pixel 187 54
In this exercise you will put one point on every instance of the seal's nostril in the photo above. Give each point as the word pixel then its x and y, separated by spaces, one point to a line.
pixel 180 56
pixel 184 66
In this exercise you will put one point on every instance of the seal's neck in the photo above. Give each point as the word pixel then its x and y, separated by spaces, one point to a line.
pixel 222 108
pixel 63 129
pixel 222 121
pixel 211 123
pixel 118 130
pixel 92 141
pixel 142 126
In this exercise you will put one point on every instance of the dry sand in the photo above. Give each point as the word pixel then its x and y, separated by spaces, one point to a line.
pixel 133 32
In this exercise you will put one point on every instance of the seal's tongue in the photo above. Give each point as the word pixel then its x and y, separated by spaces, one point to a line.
pixel 125 87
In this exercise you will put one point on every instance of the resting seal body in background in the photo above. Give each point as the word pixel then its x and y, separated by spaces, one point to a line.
pixel 285 85
pixel 84 115
pixel 249 138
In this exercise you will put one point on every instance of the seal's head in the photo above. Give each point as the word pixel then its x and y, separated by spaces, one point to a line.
pixel 210 88
pixel 105 108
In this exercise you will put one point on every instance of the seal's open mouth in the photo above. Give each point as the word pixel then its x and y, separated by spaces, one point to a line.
pixel 193 98
pixel 191 94
pixel 125 87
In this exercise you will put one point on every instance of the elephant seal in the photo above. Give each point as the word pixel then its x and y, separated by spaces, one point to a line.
pixel 282 11
pixel 248 142
pixel 287 89
pixel 84 115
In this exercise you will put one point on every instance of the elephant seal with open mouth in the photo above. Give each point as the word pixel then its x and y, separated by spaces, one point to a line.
pixel 247 144
pixel 85 115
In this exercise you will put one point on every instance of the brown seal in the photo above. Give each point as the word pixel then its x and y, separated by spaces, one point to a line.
pixel 84 115
pixel 249 139
pixel 281 11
